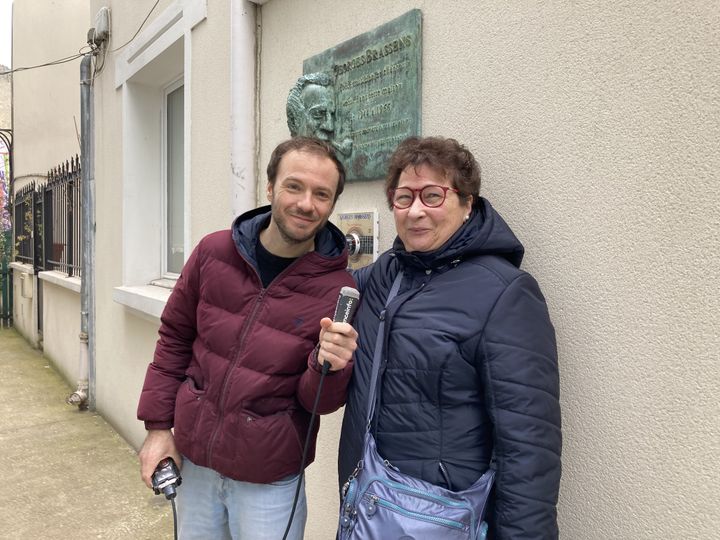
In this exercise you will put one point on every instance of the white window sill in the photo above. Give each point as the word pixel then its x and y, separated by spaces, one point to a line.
pixel 165 283
pixel 22 267
pixel 61 280
pixel 146 301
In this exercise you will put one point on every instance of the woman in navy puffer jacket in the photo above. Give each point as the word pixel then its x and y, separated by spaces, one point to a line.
pixel 469 363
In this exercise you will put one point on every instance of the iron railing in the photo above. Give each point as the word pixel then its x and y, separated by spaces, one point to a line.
pixel 47 221
pixel 62 199
pixel 24 210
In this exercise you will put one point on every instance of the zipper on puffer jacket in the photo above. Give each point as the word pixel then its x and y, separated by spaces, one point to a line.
pixel 245 330
pixel 446 475
pixel 228 373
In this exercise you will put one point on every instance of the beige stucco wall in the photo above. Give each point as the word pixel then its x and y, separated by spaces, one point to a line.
pixel 25 315
pixel 61 327
pixel 5 99
pixel 125 340
pixel 45 107
pixel 596 125
pixel 46 100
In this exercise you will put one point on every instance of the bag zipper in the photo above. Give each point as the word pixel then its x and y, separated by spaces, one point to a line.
pixel 427 496
pixel 423 494
pixel 374 501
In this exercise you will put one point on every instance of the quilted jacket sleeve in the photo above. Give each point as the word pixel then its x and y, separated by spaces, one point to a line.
pixel 173 351
pixel 361 276
pixel 334 390
pixel 522 387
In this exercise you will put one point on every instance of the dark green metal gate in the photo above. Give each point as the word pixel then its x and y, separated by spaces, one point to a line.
pixel 5 279
pixel 6 245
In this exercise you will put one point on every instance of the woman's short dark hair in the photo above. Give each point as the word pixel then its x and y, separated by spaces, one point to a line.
pixel 311 146
pixel 445 155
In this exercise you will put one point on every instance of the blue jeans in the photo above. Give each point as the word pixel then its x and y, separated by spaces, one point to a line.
pixel 213 507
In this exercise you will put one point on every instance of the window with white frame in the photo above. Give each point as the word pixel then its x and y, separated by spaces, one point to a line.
pixel 174 180
pixel 152 73
pixel 154 173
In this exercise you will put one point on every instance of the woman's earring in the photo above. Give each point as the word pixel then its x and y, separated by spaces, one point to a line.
pixel 466 218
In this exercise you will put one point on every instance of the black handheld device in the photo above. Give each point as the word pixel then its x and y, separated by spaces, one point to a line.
pixel 166 478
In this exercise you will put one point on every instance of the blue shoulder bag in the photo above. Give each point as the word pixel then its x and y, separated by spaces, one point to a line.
pixel 381 503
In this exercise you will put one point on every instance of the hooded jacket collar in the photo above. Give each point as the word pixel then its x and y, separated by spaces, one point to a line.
pixel 329 242
pixel 485 233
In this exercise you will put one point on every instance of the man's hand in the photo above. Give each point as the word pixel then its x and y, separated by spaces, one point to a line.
pixel 338 342
pixel 159 444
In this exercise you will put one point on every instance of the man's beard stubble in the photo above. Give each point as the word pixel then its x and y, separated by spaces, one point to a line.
pixel 285 231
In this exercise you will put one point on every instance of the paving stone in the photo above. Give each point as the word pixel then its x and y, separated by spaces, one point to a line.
pixel 66 474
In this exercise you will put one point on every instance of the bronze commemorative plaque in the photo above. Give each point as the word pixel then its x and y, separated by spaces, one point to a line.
pixel 364 94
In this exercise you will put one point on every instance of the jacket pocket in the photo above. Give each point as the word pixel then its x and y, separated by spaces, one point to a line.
pixel 273 441
pixel 188 408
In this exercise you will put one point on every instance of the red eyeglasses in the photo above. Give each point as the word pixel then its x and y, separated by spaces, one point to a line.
pixel 431 196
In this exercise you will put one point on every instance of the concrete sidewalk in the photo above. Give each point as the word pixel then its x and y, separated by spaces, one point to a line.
pixel 65 473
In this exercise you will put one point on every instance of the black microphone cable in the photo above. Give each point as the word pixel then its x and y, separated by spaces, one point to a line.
pixel 166 479
pixel 344 310
pixel 172 502
pixel 325 369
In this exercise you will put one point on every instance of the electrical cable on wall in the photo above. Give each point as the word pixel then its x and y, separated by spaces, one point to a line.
pixel 93 50
pixel 139 28
pixel 51 63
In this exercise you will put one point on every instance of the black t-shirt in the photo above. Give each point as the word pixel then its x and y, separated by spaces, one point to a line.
pixel 269 265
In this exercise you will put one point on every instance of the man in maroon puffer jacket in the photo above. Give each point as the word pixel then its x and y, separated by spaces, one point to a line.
pixel 236 368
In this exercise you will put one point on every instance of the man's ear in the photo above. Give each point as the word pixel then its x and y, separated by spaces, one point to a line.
pixel 269 192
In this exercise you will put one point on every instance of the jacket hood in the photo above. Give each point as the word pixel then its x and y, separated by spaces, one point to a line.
pixel 485 233
pixel 329 242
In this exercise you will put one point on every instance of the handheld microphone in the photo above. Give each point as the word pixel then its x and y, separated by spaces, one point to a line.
pixel 346 305
pixel 348 301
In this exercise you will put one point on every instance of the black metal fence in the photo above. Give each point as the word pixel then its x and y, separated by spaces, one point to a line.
pixel 47 221
pixel 24 210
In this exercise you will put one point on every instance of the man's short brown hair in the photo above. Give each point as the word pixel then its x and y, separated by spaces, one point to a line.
pixel 312 146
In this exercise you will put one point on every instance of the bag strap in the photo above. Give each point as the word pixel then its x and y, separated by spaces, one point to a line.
pixel 378 350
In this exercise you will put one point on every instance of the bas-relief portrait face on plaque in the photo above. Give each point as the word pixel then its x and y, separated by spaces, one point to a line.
pixel 311 107
pixel 363 95
pixel 311 111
